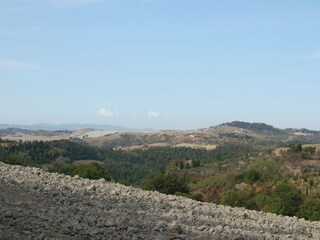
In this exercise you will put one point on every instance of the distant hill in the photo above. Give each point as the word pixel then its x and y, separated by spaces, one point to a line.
pixel 256 127
pixel 302 131
pixel 13 131
pixel 70 127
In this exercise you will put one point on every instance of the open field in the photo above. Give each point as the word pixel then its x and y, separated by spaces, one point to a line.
pixel 29 137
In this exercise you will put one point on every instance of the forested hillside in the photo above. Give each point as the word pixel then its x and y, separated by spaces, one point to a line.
pixel 257 127
pixel 263 172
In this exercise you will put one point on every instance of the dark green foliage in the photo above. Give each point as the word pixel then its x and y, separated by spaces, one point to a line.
pixel 136 165
pixel 41 152
pixel 62 165
pixel 235 198
pixel 261 201
pixel 295 148
pixel 257 127
pixel 213 173
pixel 310 150
pixel 197 197
pixel 234 150
pixel 165 183
pixel 17 158
pixel 195 163
pixel 269 169
pixel 131 166
pixel 91 171
pixel 125 171
pixel 310 209
pixel 250 176
pixel 285 200
pixel 181 166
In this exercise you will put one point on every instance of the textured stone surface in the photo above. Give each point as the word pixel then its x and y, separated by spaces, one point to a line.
pixel 38 205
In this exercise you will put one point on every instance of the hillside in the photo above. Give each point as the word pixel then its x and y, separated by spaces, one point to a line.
pixel 60 207
pixel 69 127
pixel 207 138
pixel 256 127
pixel 243 165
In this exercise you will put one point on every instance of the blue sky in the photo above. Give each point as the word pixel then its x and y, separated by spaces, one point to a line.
pixel 163 64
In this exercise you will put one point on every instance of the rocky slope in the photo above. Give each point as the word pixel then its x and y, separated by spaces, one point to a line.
pixel 38 205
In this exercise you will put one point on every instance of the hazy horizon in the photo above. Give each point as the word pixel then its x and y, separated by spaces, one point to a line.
pixel 160 64
pixel 73 126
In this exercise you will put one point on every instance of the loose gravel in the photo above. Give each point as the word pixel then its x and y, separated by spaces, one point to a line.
pixel 35 204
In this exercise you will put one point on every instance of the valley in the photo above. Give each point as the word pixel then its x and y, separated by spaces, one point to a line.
pixel 238 164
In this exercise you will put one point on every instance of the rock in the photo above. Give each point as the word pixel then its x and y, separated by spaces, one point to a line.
pixel 201 228
pixel 39 205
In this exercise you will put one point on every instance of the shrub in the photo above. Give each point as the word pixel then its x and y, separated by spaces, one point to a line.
pixel 169 184
pixel 62 165
pixel 285 200
pixel 250 176
pixel 91 171
pixel 310 209
pixel 235 198
pixel 262 200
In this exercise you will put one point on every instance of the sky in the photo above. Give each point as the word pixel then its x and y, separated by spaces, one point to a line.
pixel 161 64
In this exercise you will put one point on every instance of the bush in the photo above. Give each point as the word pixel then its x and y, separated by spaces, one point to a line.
pixel 197 197
pixel 309 149
pixel 285 200
pixel 262 200
pixel 169 184
pixel 250 176
pixel 235 198
pixel 310 209
pixel 91 171
pixel 62 165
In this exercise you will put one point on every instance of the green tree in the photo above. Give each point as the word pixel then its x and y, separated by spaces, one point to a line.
pixel 181 165
pixel 165 183
pixel 285 200
pixel 262 200
pixel 195 163
pixel 250 176
pixel 309 149
pixel 62 165
pixel 91 171
pixel 310 209
pixel 235 198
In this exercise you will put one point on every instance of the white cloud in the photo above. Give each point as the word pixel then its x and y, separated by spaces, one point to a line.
pixel 5 63
pixel 107 113
pixel 153 114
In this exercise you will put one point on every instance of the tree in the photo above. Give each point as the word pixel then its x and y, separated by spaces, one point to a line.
pixel 309 149
pixel 169 184
pixel 91 171
pixel 250 176
pixel 285 200
pixel 262 200
pixel 181 165
pixel 235 198
pixel 310 209
pixel 196 163
pixel 62 165
pixel 296 148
